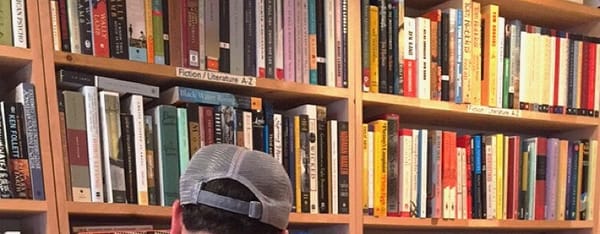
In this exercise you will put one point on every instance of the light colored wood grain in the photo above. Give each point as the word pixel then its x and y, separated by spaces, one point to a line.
pixel 428 224
pixel 20 207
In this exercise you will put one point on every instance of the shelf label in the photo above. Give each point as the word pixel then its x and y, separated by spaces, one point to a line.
pixel 493 111
pixel 215 77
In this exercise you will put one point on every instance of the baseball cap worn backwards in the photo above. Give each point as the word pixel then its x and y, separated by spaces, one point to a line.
pixel 259 172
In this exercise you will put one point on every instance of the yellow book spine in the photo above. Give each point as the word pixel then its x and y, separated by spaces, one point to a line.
pixel 561 186
pixel 380 168
pixel 489 17
pixel 365 168
pixel 591 179
pixel 374 49
pixel 467 75
pixel 149 31
pixel 298 161
pixel 476 55
pixel 579 73
pixel 499 176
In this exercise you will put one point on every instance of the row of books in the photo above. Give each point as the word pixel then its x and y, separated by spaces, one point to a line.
pixel 134 29
pixel 300 41
pixel 439 174
pixel 465 52
pixel 13 23
pixel 144 140
pixel 20 163
pixel 119 229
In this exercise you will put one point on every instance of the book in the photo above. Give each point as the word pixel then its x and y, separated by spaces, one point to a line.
pixel 113 161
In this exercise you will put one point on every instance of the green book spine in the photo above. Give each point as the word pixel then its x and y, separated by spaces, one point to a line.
pixel 5 24
pixel 168 153
pixel 182 130
pixel 157 27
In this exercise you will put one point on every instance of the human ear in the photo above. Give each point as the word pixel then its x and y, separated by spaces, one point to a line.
pixel 176 222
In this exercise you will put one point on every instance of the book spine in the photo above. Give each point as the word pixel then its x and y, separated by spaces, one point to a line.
pixel 304 36
pixel 158 31
pixel 458 70
pixel 279 72
pixel 476 53
pixel 323 167
pixel 148 18
pixel 312 41
pixel 150 160
pixel 25 94
pixel 237 31
pixel 250 38
pixel 73 19
pixel 540 179
pixel 17 144
pixel 552 170
pixel 500 81
pixel 515 48
pixel 260 39
pixel 77 146
pixel 100 28
pixel 365 165
pixel 165 14
pixel 365 49
pixel 393 176
pixel 289 46
pixel 117 26
pixel 423 58
pixel 6 188
pixel 312 167
pixel 383 43
pixel 270 38
pixel 390 48
pixel 444 53
pixel 90 95
pixel 19 23
pixel 409 72
pixel 247 123
pixel 344 48
pixel 320 41
pixel 54 19
pixel 65 37
pixel 183 139
pixel 591 184
pixel 406 162
pixel 343 168
pixel 329 43
pixel 114 172
pixel 338 40
pixel 374 49
pixel 278 145
pixel 193 126
pixel 128 143
pixel 136 26
pixel 467 77
pixel 585 170
pixel 435 79
pixel 168 153
pixel 224 37
pixel 191 42
pixel 136 109
pixel 489 23
pixel 303 164
pixel 380 168
pixel 85 27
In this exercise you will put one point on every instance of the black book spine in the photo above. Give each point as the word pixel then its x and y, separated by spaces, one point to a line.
pixel 291 156
pixel 250 38
pixel 117 28
pixel 239 128
pixel 321 41
pixel 270 38
pixel 6 189
pixel 74 80
pixel 392 168
pixel 383 43
pixel 305 165
pixel 224 57
pixel 323 166
pixel 64 26
pixel 268 129
pixel 15 142
pixel 128 143
pixel 85 27
pixel 390 48
pixel 258 125
pixel 218 115
pixel 483 186
pixel 507 72
pixel 584 181
pixel 165 7
pixel 445 56
pixel 343 168
pixel 571 78
pixel 395 47
pixel 286 143
pixel 476 198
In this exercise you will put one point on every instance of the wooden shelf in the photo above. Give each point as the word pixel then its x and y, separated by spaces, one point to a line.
pixel 438 113
pixel 541 13
pixel 13 58
pixel 164 76
pixel 20 207
pixel 473 224
pixel 159 212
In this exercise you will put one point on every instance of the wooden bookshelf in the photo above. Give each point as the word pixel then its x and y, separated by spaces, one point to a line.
pixel 473 224
pixel 21 207
pixel 15 57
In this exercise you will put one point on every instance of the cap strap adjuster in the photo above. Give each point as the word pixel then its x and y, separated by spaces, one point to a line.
pixel 252 209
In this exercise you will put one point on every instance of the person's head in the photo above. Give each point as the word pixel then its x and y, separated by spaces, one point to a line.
pixel 230 189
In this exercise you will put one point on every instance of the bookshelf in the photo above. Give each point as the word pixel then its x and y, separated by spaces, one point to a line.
pixel 38 64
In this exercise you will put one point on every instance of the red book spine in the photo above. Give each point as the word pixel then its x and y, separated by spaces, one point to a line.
pixel 591 75
pixel 190 31
pixel 584 77
pixel 556 67
pixel 100 22
pixel 410 78
pixel 446 167
pixel 540 179
pixel 453 168
pixel 185 42
pixel 512 208
pixel 209 125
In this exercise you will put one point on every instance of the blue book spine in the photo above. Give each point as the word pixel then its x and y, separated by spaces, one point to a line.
pixel 206 97
pixel 292 164
pixel 568 207
pixel 459 55
pixel 477 189
pixel 419 175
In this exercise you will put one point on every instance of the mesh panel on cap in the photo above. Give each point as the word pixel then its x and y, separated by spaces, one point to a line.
pixel 259 172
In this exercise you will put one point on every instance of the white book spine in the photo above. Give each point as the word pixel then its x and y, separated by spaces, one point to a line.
pixel 370 173
pixel 108 136
pixel 500 76
pixel 55 25
pixel 73 18
pixel 330 42
pixel 423 58
pixel 423 171
pixel 260 38
pixel 488 178
pixel 277 137
pixel 463 167
pixel 19 23
pixel 406 173
pixel 414 167
pixel 136 109
pixel 314 192
pixel 90 94
pixel 491 213
pixel 564 68
pixel 248 129
pixel 334 167
pixel 161 174
pixel 279 40
pixel 523 69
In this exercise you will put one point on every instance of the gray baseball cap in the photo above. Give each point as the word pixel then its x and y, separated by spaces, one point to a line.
pixel 259 172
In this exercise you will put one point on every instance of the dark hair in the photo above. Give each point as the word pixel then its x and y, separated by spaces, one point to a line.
pixel 198 217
